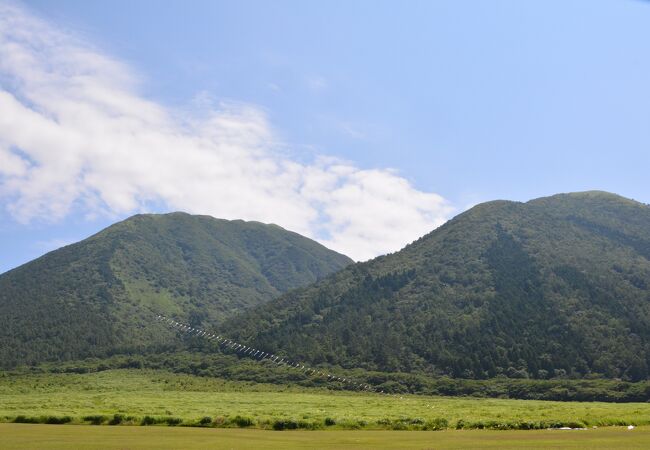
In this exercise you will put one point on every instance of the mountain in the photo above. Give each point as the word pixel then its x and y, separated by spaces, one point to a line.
pixel 95 297
pixel 557 286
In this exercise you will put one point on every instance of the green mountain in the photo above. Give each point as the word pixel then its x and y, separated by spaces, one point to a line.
pixel 95 297
pixel 557 286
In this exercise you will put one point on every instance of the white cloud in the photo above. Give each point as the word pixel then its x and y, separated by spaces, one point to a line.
pixel 75 134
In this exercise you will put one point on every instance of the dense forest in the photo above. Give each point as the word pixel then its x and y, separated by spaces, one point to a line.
pixel 210 361
pixel 98 297
pixel 556 287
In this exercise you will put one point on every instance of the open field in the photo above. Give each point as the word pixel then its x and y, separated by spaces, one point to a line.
pixel 156 397
pixel 20 436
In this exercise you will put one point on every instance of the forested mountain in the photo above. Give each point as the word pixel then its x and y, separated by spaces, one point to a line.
pixel 557 286
pixel 96 297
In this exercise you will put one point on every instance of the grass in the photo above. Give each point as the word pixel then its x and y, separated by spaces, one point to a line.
pixel 19 436
pixel 148 397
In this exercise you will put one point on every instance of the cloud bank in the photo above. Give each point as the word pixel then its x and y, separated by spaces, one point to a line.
pixel 76 135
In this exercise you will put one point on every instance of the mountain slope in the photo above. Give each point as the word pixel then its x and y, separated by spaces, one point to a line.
pixel 552 287
pixel 93 297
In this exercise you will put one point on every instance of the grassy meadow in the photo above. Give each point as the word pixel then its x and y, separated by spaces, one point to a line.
pixel 21 436
pixel 150 397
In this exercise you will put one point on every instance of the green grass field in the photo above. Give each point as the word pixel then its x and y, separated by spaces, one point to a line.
pixel 157 397
pixel 21 436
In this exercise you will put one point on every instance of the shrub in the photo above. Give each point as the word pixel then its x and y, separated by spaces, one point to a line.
pixel 242 422
pixel 24 419
pixel 575 425
pixel 329 422
pixel 173 421
pixel 205 421
pixel 280 425
pixel 553 424
pixel 350 424
pixel 95 420
pixel 219 421
pixel 439 423
pixel 148 420
pixel 117 419
pixel 54 420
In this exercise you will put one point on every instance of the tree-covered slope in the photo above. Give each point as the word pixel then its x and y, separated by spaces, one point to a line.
pixel 552 287
pixel 95 297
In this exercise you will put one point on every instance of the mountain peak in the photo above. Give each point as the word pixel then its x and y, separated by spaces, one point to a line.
pixel 557 285
pixel 93 297
pixel 586 196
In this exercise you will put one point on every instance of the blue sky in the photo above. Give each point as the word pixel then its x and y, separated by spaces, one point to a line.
pixel 445 104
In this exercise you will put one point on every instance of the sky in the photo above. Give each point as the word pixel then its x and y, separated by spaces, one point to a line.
pixel 361 124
